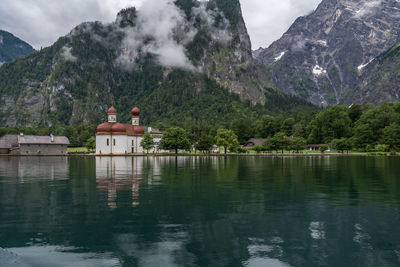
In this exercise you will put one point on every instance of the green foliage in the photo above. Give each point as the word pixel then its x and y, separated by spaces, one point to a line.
pixel 342 144
pixel 91 144
pixel 227 139
pixel 175 138
pixel 258 148
pixel 147 142
pixel 323 148
pixel 279 142
pixel 243 129
pixel 382 148
pixel 331 123
pixel 205 143
pixel 391 136
pixel 297 144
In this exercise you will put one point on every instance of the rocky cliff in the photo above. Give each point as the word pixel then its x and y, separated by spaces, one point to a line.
pixel 322 56
pixel 176 60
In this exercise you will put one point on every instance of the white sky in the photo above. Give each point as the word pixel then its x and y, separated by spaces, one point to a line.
pixel 41 22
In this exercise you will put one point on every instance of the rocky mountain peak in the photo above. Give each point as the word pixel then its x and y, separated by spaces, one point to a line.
pixel 323 54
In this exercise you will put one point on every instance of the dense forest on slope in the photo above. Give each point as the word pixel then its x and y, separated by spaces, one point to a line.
pixel 209 75
pixel 12 47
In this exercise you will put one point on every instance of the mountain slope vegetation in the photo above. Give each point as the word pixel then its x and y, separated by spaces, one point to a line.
pixel 182 60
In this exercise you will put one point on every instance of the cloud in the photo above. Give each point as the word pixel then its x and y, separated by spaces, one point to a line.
pixel 158 24
pixel 162 30
pixel 42 22
pixel 67 54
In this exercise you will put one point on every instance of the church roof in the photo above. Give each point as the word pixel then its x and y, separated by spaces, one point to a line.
pixel 116 128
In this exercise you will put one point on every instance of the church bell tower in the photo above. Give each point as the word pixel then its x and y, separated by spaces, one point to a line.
pixel 112 114
pixel 135 116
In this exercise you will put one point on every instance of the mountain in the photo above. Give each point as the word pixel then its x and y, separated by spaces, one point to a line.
pixel 323 55
pixel 380 81
pixel 183 60
pixel 12 47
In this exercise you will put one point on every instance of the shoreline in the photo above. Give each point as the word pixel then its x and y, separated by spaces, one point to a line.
pixel 213 155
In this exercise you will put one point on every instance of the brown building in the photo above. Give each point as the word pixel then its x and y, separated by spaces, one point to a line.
pixel 33 145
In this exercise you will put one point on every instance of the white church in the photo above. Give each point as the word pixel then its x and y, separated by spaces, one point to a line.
pixel 114 138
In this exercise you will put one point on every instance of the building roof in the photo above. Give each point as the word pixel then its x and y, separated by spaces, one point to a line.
pixel 42 140
pixel 152 130
pixel 9 141
pixel 255 141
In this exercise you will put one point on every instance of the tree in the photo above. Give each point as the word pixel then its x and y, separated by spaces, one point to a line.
pixel 267 126
pixel 391 136
pixel 91 143
pixel 281 140
pixel 331 123
pixel 205 143
pixel 287 126
pixel 243 129
pixel 323 148
pixel 258 148
pixel 342 144
pixel 297 144
pixel 147 142
pixel 175 138
pixel 227 139
pixel 363 136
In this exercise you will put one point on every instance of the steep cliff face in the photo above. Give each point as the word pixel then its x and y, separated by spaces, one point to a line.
pixel 184 57
pixel 322 55
pixel 12 47
pixel 380 80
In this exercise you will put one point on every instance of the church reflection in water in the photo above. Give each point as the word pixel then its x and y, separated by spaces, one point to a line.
pixel 122 174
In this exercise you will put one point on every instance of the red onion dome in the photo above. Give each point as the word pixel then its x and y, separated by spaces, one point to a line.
pixel 138 130
pixel 118 128
pixel 104 128
pixel 112 111
pixel 135 111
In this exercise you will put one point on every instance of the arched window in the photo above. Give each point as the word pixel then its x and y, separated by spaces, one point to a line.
pixel 114 141
pixel 108 142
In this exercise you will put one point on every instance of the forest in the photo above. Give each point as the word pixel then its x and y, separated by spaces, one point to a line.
pixel 360 128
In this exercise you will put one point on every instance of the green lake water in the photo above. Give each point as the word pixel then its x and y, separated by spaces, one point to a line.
pixel 200 211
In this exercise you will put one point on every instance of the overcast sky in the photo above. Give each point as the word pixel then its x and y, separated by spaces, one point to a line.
pixel 41 22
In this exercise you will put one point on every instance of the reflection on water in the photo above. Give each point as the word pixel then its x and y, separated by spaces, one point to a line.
pixel 201 211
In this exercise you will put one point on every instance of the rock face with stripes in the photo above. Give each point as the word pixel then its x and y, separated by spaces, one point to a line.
pixel 322 55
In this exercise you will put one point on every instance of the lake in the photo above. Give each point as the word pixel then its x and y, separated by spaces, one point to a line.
pixel 200 211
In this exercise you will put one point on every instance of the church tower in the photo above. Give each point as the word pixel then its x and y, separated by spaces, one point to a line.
pixel 135 116
pixel 112 114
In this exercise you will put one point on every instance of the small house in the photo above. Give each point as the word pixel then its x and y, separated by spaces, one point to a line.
pixel 253 142
pixel 34 145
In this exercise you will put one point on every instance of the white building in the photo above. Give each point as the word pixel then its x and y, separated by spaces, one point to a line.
pixel 116 138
